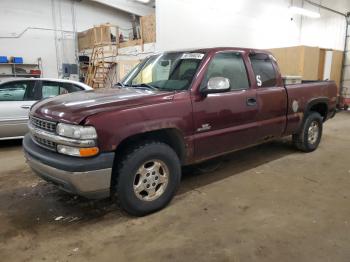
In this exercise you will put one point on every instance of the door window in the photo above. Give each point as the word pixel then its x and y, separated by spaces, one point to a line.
pixel 229 65
pixel 18 91
pixel 264 71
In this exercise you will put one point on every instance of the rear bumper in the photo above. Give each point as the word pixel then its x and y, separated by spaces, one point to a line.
pixel 88 177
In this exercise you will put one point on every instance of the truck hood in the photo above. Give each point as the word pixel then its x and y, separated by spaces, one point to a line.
pixel 75 107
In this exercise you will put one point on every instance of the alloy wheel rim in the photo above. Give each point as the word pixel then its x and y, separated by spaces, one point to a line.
pixel 313 132
pixel 151 180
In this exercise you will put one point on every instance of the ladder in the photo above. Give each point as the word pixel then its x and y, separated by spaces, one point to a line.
pixel 345 78
pixel 101 70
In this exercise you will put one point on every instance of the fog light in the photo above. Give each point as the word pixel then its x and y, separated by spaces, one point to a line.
pixel 78 151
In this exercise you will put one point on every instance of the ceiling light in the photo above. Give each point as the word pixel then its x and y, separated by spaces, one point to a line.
pixel 143 1
pixel 304 12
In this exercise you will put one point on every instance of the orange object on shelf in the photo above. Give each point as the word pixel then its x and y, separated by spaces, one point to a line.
pixel 35 72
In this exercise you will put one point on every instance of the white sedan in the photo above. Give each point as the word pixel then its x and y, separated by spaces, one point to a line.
pixel 17 95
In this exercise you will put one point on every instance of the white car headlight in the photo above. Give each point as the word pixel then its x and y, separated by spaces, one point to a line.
pixel 76 131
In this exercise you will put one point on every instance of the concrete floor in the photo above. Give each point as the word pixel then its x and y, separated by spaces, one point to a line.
pixel 267 203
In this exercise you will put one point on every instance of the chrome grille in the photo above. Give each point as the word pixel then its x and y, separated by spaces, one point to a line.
pixel 43 124
pixel 45 143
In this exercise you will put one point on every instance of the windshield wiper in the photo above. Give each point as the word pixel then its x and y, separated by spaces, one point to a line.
pixel 120 84
pixel 143 85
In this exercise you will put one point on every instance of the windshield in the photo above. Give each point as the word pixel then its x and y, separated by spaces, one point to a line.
pixel 167 71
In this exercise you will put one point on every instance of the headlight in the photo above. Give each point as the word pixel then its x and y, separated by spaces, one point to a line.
pixel 76 131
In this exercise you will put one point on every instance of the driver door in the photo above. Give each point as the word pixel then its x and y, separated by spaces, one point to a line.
pixel 226 121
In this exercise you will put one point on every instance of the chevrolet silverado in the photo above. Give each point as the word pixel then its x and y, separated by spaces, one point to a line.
pixel 173 109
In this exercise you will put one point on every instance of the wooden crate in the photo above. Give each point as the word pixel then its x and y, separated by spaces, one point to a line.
pixel 84 40
pixel 102 34
pixel 148 28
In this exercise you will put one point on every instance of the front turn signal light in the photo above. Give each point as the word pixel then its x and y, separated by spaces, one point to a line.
pixel 88 151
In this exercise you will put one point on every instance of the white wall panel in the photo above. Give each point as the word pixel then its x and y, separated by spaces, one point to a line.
pixel 248 23
pixel 327 32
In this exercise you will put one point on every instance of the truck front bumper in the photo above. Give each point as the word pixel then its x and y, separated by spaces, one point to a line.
pixel 88 177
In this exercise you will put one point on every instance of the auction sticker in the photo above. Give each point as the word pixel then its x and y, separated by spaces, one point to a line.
pixel 192 56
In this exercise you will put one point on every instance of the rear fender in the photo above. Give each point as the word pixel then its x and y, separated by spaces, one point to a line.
pixel 324 101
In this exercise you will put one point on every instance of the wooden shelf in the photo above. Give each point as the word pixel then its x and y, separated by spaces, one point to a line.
pixel 27 74
pixel 25 64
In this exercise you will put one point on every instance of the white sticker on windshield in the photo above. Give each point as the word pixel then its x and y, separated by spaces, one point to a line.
pixel 192 56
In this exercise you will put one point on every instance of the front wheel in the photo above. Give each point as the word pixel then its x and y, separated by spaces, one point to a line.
pixel 148 177
pixel 309 137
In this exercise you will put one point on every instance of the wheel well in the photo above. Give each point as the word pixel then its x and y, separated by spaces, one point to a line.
pixel 169 136
pixel 320 108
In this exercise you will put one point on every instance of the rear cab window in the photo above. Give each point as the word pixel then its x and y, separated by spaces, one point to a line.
pixel 228 64
pixel 264 71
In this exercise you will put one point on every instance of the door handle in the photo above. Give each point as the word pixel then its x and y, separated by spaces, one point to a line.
pixel 26 106
pixel 251 101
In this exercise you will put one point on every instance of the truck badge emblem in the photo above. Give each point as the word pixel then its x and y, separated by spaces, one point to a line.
pixel 258 80
pixel 295 106
pixel 204 127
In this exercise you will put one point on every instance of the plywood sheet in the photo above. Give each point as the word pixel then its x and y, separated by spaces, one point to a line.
pixel 311 61
pixel 336 67
pixel 298 61
pixel 148 28
pixel 321 61
pixel 289 60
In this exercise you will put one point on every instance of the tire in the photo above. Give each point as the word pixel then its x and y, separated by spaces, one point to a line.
pixel 309 137
pixel 144 166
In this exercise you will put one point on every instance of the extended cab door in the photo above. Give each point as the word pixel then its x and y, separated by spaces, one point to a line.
pixel 225 121
pixel 271 96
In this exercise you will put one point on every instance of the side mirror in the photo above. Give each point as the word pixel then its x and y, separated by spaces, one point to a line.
pixel 217 85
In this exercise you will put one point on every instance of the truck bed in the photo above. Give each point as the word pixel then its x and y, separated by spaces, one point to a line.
pixel 302 96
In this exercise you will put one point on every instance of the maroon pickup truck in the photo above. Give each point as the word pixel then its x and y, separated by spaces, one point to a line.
pixel 173 109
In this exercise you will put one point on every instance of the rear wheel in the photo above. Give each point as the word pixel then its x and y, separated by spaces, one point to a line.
pixel 309 137
pixel 148 177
